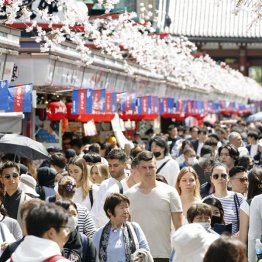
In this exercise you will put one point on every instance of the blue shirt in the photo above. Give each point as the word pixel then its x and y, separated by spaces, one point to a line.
pixel 116 247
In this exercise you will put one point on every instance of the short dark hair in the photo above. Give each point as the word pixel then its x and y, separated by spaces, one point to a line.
pixel 211 141
pixel 95 147
pixel 161 142
pixel 117 154
pixel 145 156
pixel 9 164
pixel 112 201
pixel 92 157
pixel 58 159
pixel 198 209
pixel 66 203
pixel 206 149
pixel 202 130
pixel 43 217
pixel 236 169
pixel 76 142
pixel 232 151
pixel 170 127
pixel 253 134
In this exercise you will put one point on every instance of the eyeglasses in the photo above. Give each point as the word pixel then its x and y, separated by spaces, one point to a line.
pixel 216 176
pixel 241 179
pixel 11 176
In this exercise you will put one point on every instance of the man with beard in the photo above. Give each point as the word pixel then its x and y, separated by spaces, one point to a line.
pixel 117 165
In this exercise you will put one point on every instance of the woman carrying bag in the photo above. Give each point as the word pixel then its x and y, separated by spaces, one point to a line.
pixel 119 239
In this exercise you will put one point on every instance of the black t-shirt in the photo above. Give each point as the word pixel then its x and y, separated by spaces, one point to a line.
pixel 11 203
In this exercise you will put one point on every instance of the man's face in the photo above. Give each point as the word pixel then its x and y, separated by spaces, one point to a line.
pixel 202 137
pixel 147 169
pixel 237 141
pixel 173 132
pixel 194 133
pixel 66 144
pixel 60 235
pixel 116 168
pixel 240 182
pixel 10 179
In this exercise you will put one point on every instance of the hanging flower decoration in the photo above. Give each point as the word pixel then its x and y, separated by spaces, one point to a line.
pixel 134 43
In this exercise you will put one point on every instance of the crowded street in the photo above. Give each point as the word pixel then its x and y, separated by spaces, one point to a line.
pixel 131 131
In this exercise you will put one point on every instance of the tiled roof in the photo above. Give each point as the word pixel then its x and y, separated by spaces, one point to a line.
pixel 211 18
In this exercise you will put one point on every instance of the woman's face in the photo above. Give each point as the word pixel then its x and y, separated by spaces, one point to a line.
pixel 225 158
pixel 215 211
pixel 95 175
pixel 75 172
pixel 121 214
pixel 219 177
pixel 187 183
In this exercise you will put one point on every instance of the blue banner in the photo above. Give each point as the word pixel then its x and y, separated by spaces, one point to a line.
pixel 4 95
pixel 20 98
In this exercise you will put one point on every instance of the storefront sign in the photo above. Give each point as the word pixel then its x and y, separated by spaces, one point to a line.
pixel 20 98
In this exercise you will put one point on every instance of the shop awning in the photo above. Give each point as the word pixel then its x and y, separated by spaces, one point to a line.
pixel 11 122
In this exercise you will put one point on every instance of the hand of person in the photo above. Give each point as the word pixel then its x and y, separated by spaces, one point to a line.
pixel 3 245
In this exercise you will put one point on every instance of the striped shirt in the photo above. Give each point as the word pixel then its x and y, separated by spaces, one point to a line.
pixel 229 206
pixel 86 223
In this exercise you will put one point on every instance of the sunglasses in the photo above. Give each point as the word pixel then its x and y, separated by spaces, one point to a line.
pixel 216 176
pixel 241 179
pixel 11 176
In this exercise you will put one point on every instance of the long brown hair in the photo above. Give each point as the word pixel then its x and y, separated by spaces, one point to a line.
pixel 85 181
pixel 182 172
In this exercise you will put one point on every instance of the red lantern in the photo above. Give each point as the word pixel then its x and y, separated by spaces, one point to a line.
pixel 69 114
pixel 56 111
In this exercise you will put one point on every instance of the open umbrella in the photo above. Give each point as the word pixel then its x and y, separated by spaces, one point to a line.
pixel 22 146
pixel 255 117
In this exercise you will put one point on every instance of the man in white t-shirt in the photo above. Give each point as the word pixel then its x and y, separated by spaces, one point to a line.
pixel 117 165
pixel 120 187
pixel 154 205
pixel 166 166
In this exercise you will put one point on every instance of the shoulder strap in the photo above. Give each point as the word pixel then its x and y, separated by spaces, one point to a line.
pixel 237 205
pixel 84 241
pixel 120 186
pixel 54 258
pixel 158 170
pixel 2 233
pixel 132 228
pixel 91 197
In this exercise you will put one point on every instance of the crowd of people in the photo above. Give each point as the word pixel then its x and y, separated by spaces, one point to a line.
pixel 191 195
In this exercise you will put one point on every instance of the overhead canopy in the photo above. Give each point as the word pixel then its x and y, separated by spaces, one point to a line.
pixel 11 122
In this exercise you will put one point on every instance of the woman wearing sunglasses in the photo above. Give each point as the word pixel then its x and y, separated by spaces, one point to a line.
pixel 230 200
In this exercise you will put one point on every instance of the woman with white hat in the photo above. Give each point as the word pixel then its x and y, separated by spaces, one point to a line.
pixel 191 242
